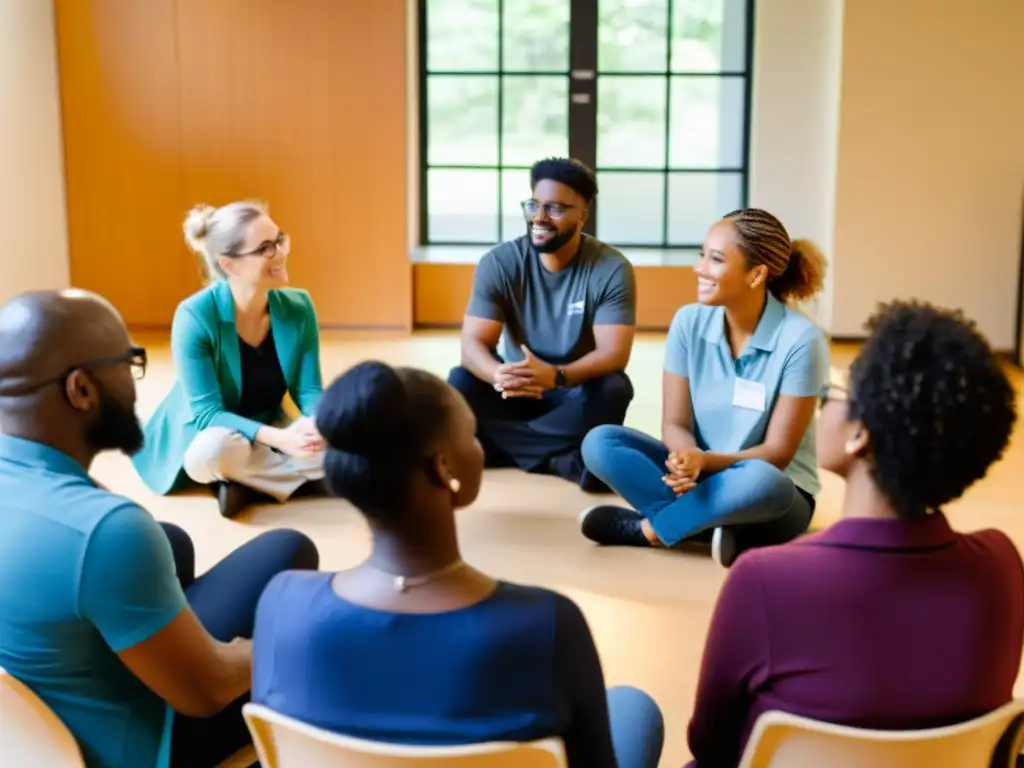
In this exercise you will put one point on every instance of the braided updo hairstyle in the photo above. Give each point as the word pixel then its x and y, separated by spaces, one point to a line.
pixel 380 424
pixel 796 269
pixel 937 404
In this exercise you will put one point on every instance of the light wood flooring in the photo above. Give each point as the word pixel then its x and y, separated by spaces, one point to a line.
pixel 648 610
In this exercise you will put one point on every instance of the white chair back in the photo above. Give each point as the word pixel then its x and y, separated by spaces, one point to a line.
pixel 283 742
pixel 30 733
pixel 780 740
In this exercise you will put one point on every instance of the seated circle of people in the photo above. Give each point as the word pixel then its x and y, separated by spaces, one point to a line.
pixel 889 619
pixel 414 645
pixel 743 370
pixel 103 616
pixel 239 346
pixel 562 307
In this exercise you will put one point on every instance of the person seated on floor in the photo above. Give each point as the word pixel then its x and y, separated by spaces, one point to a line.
pixel 239 346
pixel 414 645
pixel 565 305
pixel 743 371
pixel 889 618
pixel 101 614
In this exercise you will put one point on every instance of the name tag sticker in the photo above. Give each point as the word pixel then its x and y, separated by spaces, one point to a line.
pixel 749 394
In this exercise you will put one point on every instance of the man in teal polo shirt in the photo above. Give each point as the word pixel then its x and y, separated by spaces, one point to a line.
pixel 100 614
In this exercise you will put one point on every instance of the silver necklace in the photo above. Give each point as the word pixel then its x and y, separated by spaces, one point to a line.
pixel 405 583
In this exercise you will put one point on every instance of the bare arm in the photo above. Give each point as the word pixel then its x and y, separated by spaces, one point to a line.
pixel 786 427
pixel 613 347
pixel 196 675
pixel 804 373
pixel 479 341
pixel 676 412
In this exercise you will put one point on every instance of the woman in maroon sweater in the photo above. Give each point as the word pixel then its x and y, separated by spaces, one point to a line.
pixel 889 618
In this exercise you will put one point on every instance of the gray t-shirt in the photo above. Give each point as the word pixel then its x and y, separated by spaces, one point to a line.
pixel 553 313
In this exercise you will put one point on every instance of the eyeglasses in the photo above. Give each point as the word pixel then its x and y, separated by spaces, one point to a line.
pixel 270 248
pixel 551 210
pixel 135 357
pixel 833 393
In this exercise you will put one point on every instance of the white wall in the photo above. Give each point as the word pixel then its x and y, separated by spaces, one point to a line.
pixel 931 159
pixel 32 203
pixel 794 122
pixel 893 134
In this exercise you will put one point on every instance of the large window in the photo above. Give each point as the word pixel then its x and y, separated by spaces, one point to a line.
pixel 653 94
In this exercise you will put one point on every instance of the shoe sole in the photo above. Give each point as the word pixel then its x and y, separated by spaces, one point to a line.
pixel 716 548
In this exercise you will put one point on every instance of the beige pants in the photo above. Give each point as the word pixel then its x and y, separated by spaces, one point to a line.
pixel 219 454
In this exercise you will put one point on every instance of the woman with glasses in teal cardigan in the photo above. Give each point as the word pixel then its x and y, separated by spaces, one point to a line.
pixel 239 345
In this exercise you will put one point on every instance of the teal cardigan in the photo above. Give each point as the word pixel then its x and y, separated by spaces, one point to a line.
pixel 205 350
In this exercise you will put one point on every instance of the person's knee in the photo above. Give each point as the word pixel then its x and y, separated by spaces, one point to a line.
pixel 597 446
pixel 293 549
pixel 771 483
pixel 633 709
pixel 613 388
pixel 181 542
pixel 216 453
pixel 461 379
pixel 635 700
pixel 609 397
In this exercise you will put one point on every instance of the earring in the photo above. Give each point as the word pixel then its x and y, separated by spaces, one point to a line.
pixel 454 484
pixel 850 447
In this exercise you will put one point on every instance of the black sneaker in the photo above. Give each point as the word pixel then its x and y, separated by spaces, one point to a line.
pixel 234 497
pixel 724 550
pixel 611 525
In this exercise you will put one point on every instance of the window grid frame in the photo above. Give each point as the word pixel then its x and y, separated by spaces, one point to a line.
pixel 666 171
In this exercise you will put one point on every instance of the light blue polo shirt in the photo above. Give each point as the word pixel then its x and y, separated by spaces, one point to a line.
pixel 787 355
pixel 85 574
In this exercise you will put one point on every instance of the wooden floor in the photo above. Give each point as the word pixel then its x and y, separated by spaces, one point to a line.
pixel 648 610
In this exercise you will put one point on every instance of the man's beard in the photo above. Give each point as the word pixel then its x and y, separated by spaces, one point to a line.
pixel 553 243
pixel 116 428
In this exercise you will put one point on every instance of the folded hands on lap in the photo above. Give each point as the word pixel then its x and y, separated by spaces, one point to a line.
pixel 684 467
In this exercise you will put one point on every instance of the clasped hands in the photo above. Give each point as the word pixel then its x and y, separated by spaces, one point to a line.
pixel 299 439
pixel 684 467
pixel 530 377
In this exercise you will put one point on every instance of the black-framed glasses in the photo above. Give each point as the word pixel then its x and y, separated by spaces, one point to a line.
pixel 551 210
pixel 135 357
pixel 268 249
pixel 833 393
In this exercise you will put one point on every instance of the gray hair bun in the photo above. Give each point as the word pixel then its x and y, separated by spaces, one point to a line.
pixel 196 226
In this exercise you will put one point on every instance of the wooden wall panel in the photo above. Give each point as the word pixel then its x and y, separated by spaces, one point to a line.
pixel 661 291
pixel 168 103
pixel 303 104
pixel 119 90
pixel 442 291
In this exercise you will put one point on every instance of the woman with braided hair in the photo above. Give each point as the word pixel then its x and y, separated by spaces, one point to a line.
pixel 743 369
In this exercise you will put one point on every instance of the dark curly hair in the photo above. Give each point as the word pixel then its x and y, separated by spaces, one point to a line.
pixel 569 171
pixel 936 402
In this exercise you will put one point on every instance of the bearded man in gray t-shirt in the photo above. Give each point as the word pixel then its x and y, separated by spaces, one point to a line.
pixel 562 305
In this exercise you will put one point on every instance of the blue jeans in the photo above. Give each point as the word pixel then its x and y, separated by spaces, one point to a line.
pixel 638 728
pixel 749 493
